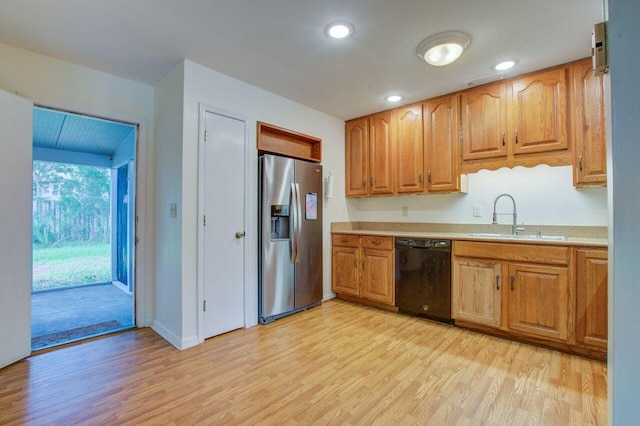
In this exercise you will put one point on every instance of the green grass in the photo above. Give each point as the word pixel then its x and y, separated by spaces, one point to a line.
pixel 70 264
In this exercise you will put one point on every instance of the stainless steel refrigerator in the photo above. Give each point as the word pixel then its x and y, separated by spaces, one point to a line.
pixel 290 228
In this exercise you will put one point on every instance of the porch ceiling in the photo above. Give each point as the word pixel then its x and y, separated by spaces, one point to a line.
pixel 70 132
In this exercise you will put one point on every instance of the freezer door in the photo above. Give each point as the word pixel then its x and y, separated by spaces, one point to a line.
pixel 276 295
pixel 308 270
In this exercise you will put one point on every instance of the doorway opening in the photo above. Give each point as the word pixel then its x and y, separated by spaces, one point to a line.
pixel 83 227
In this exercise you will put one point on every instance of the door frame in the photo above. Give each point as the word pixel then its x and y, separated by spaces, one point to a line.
pixel 143 259
pixel 249 238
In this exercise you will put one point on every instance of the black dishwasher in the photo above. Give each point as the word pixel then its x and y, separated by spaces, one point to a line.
pixel 423 278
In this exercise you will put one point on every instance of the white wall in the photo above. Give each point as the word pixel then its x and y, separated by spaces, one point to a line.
pixel 544 196
pixel 168 272
pixel 56 83
pixel 624 228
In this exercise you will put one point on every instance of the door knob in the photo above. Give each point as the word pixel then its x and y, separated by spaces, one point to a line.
pixel 240 234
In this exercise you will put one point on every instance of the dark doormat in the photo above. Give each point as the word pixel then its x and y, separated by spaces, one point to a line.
pixel 67 336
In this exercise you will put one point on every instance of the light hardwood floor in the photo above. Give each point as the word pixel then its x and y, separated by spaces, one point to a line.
pixel 339 363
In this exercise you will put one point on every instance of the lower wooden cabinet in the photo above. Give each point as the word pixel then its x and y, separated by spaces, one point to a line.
pixel 363 267
pixel 518 290
pixel 591 297
pixel 538 300
pixel 476 292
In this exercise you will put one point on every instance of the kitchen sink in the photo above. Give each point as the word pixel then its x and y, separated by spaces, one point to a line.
pixel 520 237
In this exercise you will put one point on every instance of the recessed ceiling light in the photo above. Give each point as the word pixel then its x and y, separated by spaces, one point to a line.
pixel 444 48
pixel 339 30
pixel 394 98
pixel 505 65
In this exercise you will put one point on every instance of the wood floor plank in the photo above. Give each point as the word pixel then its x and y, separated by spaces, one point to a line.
pixel 337 364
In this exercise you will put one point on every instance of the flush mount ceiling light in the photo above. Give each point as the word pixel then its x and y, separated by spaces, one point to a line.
pixel 394 98
pixel 505 65
pixel 339 30
pixel 444 48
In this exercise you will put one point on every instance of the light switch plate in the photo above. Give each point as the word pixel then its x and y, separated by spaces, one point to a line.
pixel 477 210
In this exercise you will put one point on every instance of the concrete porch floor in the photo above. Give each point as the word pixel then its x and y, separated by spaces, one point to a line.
pixel 69 314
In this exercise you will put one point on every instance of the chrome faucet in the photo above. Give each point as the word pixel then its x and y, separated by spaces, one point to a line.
pixel 514 228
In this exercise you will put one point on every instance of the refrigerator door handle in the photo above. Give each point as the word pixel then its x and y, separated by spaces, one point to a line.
pixel 298 223
pixel 294 223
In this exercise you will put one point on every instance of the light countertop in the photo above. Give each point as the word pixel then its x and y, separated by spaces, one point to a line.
pixel 576 236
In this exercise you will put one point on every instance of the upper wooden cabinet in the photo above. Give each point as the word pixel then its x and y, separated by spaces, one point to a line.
pixel 357 157
pixel 590 153
pixel 381 154
pixel 523 121
pixel 409 152
pixel 553 117
pixel 369 155
pixel 442 143
pixel 484 122
pixel 539 115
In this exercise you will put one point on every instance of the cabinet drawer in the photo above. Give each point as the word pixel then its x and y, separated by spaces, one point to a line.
pixel 529 253
pixel 344 240
pixel 377 243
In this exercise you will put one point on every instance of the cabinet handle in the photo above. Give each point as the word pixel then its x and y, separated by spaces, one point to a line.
pixel 364 182
pixel 580 162
pixel 497 282
pixel 516 136
pixel 371 178
pixel 429 176
pixel 512 280
pixel 376 242
pixel 344 241
pixel 363 263
pixel 503 142
pixel 420 176
pixel 355 261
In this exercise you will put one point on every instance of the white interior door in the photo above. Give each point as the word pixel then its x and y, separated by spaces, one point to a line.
pixel 224 241
pixel 16 169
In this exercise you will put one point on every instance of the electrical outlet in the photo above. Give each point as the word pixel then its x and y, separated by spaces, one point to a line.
pixel 477 210
pixel 405 212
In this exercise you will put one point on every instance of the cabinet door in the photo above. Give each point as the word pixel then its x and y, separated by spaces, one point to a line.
pixel 590 153
pixel 591 295
pixel 538 300
pixel 409 150
pixel 356 157
pixel 344 270
pixel 539 119
pixel 442 143
pixel 381 154
pixel 377 276
pixel 484 122
pixel 476 293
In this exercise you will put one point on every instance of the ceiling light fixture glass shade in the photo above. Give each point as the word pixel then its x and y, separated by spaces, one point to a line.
pixel 505 65
pixel 394 98
pixel 444 48
pixel 339 30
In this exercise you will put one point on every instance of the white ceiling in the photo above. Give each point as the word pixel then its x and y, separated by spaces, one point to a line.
pixel 280 45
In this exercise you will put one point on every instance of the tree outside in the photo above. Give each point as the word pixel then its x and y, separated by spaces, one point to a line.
pixel 71 225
